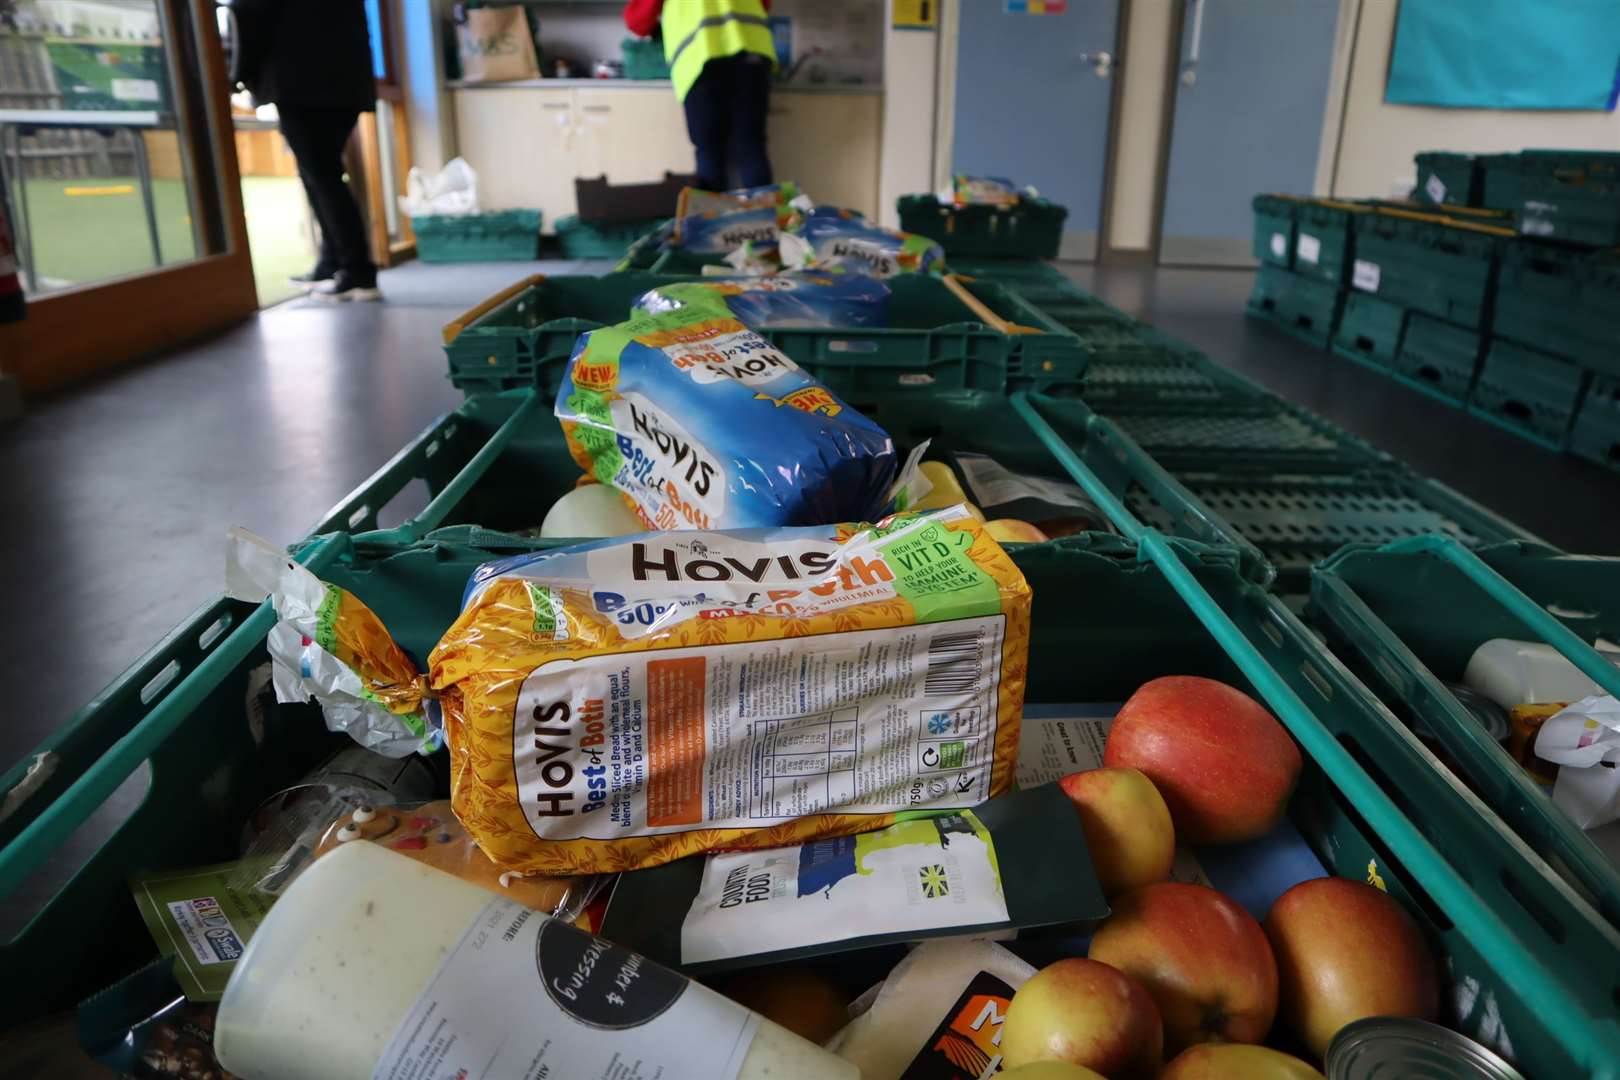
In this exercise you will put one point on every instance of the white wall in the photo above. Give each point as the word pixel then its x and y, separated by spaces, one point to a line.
pixel 906 166
pixel 1378 140
pixel 1140 135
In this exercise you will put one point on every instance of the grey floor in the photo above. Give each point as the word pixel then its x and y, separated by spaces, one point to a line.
pixel 120 492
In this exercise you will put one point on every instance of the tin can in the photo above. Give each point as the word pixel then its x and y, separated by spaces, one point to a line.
pixel 1401 1048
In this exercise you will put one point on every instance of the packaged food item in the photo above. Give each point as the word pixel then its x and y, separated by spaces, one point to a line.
pixel 1583 742
pixel 804 1001
pixel 832 237
pixel 983 190
pixel 626 702
pixel 312 652
pixel 1055 507
pixel 1530 672
pixel 702 424
pixel 590 510
pixel 430 833
pixel 1017 862
pixel 143 1028
pixel 782 300
pixel 719 221
pixel 204 917
pixel 374 965
pixel 938 1014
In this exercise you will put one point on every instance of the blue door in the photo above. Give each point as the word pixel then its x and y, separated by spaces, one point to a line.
pixel 1032 103
pixel 1248 118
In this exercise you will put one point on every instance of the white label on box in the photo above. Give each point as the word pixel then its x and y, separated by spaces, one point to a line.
pixel 1436 188
pixel 524 995
pixel 1052 747
pixel 913 876
pixel 1309 248
pixel 1279 245
pixel 1365 276
pixel 134 89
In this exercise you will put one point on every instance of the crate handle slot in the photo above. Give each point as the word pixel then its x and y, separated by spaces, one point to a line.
pixel 359 514
pixel 159 682
pixel 214 631
pixel 1518 410
pixel 1429 372
pixel 1317 680
pixel 1365 343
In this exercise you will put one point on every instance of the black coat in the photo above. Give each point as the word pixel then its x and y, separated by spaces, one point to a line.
pixel 305 52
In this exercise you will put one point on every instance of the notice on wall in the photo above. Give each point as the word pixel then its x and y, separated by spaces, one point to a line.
pixel 1037 7
pixel 916 14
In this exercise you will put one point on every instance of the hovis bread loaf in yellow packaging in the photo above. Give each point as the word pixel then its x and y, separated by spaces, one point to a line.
pixel 626 702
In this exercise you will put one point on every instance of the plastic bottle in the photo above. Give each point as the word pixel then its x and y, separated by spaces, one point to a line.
pixel 1514 673
pixel 375 965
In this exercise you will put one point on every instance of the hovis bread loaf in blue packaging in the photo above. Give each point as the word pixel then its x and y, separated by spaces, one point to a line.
pixel 702 424
pixel 781 300
pixel 830 237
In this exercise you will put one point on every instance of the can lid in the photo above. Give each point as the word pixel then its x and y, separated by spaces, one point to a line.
pixel 1491 716
pixel 1401 1048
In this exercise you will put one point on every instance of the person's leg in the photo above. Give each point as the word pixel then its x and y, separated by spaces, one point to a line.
pixel 750 104
pixel 305 138
pixel 707 124
pixel 350 244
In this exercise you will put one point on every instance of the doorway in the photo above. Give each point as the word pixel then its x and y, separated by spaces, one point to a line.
pixel 1023 68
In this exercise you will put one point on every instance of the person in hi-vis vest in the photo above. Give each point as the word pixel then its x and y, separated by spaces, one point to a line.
pixel 721 57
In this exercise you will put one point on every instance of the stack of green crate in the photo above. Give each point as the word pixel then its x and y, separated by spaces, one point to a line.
pixel 1300 291
pixel 1571 196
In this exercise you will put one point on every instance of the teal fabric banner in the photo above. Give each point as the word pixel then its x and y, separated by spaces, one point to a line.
pixel 1506 54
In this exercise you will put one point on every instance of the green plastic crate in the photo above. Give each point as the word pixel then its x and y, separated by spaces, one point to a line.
pixel 1569 195
pixel 1596 434
pixel 1530 393
pixel 1278 440
pixel 502 236
pixel 1030 229
pixel 1369 329
pixel 524 336
pixel 1323 238
pixel 1427 264
pixel 644 58
pixel 599 239
pixel 1274 229
pixel 1533 958
pixel 1013 273
pixel 1439 358
pixel 1306 307
pixel 1499 186
pixel 1409 616
pixel 1448 179
pixel 1563 301
pixel 1280 521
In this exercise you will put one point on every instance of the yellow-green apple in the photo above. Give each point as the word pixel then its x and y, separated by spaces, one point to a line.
pixel 1050 1070
pixel 1202 958
pixel 1127 826
pixel 1345 951
pixel 1084 1013
pixel 1224 765
pixel 1236 1061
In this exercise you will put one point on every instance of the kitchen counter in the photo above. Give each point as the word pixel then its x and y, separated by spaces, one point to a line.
pixel 618 84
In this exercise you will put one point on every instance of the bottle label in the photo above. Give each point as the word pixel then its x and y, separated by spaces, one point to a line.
pixel 525 997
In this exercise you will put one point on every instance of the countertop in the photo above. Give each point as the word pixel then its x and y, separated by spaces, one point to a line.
pixel 612 84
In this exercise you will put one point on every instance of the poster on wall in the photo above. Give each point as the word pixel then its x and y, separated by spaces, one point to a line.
pixel 1486 54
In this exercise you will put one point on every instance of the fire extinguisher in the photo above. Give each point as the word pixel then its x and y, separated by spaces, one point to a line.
pixel 12 305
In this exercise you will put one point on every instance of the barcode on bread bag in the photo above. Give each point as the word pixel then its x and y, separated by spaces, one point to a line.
pixel 953 664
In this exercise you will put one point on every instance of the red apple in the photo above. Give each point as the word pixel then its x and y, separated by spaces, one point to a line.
pixel 1224 765
pixel 1127 827
pixel 1203 959
pixel 1050 1070
pixel 1084 1013
pixel 1346 951
pixel 1236 1061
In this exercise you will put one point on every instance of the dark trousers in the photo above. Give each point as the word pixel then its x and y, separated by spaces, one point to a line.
pixel 725 117
pixel 317 134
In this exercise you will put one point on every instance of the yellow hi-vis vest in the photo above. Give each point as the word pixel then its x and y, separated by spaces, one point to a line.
pixel 697 31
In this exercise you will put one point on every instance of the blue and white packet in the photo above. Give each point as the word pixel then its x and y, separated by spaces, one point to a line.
pixel 782 300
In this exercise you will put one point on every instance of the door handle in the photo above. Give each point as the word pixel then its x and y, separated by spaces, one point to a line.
pixel 1102 62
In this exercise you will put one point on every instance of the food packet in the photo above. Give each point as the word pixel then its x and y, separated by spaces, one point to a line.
pixel 719 221
pixel 144 1028
pixel 626 702
pixel 701 423
pixel 781 300
pixel 830 237
pixel 982 191
pixel 1583 740
pixel 429 833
